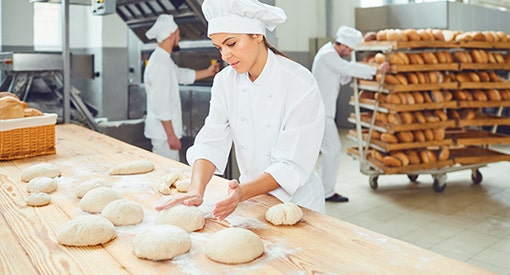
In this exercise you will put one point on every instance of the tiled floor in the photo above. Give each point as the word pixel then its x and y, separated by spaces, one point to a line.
pixel 467 222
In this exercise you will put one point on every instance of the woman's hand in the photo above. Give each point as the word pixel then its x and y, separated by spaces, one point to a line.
pixel 188 200
pixel 227 206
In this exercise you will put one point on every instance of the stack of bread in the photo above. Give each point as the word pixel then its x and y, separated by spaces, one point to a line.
pixel 12 107
pixel 423 97
pixel 436 35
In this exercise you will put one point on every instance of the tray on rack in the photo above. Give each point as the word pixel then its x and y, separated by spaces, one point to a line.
pixel 483 45
pixel 425 67
pixel 484 85
pixel 374 86
pixel 477 137
pixel 483 104
pixel 409 169
pixel 370 104
pixel 484 120
pixel 389 147
pixel 483 66
pixel 477 155
pixel 392 128
pixel 395 45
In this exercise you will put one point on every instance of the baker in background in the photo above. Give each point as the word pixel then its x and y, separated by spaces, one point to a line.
pixel 163 124
pixel 265 104
pixel 331 69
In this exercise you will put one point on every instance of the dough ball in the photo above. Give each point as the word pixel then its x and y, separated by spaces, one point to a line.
pixel 189 218
pixel 38 199
pixel 86 230
pixel 164 189
pixel 96 199
pixel 183 184
pixel 42 184
pixel 89 185
pixel 234 246
pixel 161 242
pixel 286 213
pixel 131 168
pixel 171 178
pixel 40 170
pixel 123 212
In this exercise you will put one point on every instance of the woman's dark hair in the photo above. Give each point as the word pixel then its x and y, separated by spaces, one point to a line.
pixel 273 49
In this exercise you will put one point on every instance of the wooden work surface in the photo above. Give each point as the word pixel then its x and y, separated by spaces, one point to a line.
pixel 318 244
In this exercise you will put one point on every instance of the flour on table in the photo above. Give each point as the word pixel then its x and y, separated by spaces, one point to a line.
pixel 96 199
pixel 161 242
pixel 234 246
pixel 42 184
pixel 189 218
pixel 134 167
pixel 287 213
pixel 40 170
pixel 86 230
pixel 88 185
pixel 123 212
pixel 38 199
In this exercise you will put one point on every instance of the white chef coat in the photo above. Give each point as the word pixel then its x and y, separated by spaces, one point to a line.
pixel 331 71
pixel 276 124
pixel 162 78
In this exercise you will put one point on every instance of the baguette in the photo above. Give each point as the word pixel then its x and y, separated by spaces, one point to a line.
pixel 405 136
pixel 389 138
pixel 391 161
pixel 402 157
pixel 443 154
pixel 413 157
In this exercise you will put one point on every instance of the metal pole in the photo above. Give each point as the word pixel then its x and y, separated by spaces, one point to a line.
pixel 66 58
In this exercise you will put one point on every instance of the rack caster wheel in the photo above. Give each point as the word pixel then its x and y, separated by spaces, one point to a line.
pixel 412 178
pixel 373 182
pixel 476 176
pixel 439 182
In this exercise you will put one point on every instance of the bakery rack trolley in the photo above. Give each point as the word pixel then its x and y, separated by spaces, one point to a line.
pixel 438 170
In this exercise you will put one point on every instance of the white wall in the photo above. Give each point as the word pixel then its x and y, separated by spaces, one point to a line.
pixel 308 19
pixel 17 23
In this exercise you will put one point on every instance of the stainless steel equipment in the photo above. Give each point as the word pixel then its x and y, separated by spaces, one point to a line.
pixel 37 79
pixel 139 15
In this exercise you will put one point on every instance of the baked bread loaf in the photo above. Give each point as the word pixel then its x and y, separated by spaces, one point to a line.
pixel 11 107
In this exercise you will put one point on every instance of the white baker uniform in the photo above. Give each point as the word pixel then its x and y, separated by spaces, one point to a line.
pixel 331 71
pixel 162 78
pixel 276 124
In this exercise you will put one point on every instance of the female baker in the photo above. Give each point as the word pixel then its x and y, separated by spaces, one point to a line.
pixel 268 106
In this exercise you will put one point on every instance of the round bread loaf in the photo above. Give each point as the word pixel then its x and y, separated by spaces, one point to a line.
pixel 10 108
pixel 391 161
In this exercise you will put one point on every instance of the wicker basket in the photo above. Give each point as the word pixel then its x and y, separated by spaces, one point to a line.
pixel 26 138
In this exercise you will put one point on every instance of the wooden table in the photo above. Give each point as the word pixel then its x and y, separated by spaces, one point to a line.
pixel 318 244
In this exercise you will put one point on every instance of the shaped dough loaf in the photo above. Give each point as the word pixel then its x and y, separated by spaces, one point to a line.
pixel 86 230
pixel 134 167
pixel 161 242
pixel 234 246
pixel 286 213
pixel 40 170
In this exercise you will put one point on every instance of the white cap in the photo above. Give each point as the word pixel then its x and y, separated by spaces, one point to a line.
pixel 241 16
pixel 349 36
pixel 162 28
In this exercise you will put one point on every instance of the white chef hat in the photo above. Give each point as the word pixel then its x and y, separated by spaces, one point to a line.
pixel 349 36
pixel 162 28
pixel 241 16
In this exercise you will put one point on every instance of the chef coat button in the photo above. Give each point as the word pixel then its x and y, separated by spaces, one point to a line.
pixel 243 90
pixel 268 153
pixel 243 119
pixel 268 125
pixel 270 95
